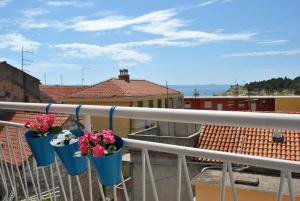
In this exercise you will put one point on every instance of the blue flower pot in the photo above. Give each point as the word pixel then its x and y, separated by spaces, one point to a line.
pixel 108 168
pixel 77 132
pixel 74 165
pixel 41 149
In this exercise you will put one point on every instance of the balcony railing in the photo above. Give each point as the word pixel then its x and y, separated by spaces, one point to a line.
pixel 245 119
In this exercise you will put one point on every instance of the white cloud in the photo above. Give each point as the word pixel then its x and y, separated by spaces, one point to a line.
pixel 15 41
pixel 273 42
pixel 162 23
pixel 206 3
pixel 78 4
pixel 82 50
pixel 267 53
pixel 4 2
pixel 41 24
pixel 33 12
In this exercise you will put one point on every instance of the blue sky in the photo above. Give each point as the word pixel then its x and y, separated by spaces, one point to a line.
pixel 184 42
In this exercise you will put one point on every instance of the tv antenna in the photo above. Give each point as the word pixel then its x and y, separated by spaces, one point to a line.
pixel 25 62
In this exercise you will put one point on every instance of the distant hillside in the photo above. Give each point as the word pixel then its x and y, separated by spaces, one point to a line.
pixel 274 86
pixel 204 90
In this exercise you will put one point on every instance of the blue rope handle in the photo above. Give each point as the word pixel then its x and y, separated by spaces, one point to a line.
pixel 48 108
pixel 77 117
pixel 111 114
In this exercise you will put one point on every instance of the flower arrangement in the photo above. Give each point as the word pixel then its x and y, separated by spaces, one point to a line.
pixel 64 138
pixel 43 125
pixel 97 144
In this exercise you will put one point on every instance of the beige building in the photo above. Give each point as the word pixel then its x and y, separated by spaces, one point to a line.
pixel 126 92
pixel 251 187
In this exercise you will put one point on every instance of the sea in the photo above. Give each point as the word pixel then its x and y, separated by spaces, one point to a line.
pixel 204 90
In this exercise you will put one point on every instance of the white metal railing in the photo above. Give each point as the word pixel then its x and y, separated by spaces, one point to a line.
pixel 246 119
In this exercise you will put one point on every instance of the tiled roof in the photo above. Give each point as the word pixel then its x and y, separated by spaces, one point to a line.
pixel 56 93
pixel 250 141
pixel 114 88
pixel 19 117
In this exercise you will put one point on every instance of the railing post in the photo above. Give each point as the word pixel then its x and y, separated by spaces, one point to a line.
pixel 224 170
pixel 179 170
pixel 60 180
pixel 290 185
pixel 124 187
pixel 151 175
pixel 88 127
pixel 143 176
pixel 187 177
pixel 233 187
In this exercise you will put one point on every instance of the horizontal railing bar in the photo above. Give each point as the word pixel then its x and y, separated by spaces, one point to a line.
pixel 12 124
pixel 270 163
pixel 245 119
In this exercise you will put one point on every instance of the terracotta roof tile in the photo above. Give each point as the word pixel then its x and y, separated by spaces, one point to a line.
pixel 114 88
pixel 250 141
pixel 56 93
pixel 19 117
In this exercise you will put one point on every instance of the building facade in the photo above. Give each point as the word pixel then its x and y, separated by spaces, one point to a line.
pixel 231 103
pixel 126 92
pixel 17 85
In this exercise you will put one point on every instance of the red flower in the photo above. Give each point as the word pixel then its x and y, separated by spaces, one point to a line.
pixel 44 128
pixel 88 134
pixel 98 151
pixel 107 132
pixel 84 149
pixel 82 140
pixel 109 138
pixel 33 126
pixel 26 122
pixel 95 138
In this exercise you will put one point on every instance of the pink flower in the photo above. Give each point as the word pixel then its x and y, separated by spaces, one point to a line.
pixel 88 134
pixel 107 132
pixel 26 122
pixel 83 149
pixel 98 151
pixel 33 126
pixel 44 128
pixel 108 138
pixel 39 117
pixel 82 140
pixel 95 138
pixel 50 119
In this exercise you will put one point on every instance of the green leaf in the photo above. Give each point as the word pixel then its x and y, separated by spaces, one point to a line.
pixel 77 154
pixel 112 149
pixel 55 130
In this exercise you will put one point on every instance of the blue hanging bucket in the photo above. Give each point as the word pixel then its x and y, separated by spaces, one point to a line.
pixel 108 168
pixel 41 149
pixel 74 165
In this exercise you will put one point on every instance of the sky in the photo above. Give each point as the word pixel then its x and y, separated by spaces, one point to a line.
pixel 182 42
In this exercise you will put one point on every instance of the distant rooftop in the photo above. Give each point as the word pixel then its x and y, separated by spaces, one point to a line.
pixel 57 92
pixel 250 141
pixel 123 87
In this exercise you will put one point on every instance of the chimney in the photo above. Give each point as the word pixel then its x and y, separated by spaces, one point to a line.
pixel 124 75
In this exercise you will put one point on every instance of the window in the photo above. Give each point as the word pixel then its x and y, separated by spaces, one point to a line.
pixel 159 103
pixel 187 104
pixel 241 105
pixel 166 103
pixel 140 104
pixel 150 103
pixel 207 104
pixel 230 104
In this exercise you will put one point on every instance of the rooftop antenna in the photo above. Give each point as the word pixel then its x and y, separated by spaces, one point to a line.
pixel 61 79
pixel 24 62
pixel 82 75
pixel 45 78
